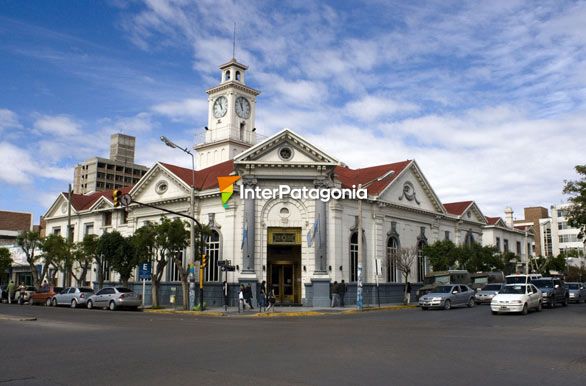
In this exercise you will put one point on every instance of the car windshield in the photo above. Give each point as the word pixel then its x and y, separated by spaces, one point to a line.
pixel 492 287
pixel 513 289
pixel 543 283
pixel 516 279
pixel 444 289
pixel 574 286
pixel 87 290
pixel 123 290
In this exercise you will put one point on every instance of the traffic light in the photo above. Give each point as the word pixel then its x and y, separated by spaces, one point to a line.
pixel 204 261
pixel 116 195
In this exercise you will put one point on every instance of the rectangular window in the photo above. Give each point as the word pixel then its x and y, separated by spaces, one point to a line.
pixel 354 260
pixel 107 219
pixel 173 270
pixel 506 245
pixel 447 235
pixel 124 216
pixel 498 244
pixel 212 271
pixel 518 248
pixel 57 231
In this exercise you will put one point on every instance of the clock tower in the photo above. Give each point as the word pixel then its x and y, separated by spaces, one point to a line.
pixel 231 113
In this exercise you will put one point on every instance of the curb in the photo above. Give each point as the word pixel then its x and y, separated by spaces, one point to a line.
pixel 290 314
pixel 183 312
pixel 18 318
pixel 382 308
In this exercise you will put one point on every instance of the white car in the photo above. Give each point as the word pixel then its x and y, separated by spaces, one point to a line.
pixel 517 298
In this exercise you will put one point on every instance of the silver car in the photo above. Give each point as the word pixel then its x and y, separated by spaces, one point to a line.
pixel 488 292
pixel 447 296
pixel 577 292
pixel 72 297
pixel 113 298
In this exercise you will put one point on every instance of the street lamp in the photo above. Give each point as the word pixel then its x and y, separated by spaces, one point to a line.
pixel 172 145
pixel 360 257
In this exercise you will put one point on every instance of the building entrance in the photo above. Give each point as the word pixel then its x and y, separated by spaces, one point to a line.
pixel 284 264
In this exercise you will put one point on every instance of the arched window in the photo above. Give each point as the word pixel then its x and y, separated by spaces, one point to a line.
pixel 420 261
pixel 212 271
pixel 392 250
pixel 242 127
pixel 228 75
pixel 469 239
pixel 354 257
pixel 173 269
pixel 238 75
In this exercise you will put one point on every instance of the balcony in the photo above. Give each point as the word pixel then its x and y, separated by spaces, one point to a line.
pixel 244 136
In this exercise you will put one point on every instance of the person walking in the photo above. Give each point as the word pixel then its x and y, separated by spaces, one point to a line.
pixel 248 296
pixel 407 293
pixel 21 293
pixel 335 294
pixel 11 288
pixel 342 292
pixel 271 300
pixel 262 298
pixel 241 301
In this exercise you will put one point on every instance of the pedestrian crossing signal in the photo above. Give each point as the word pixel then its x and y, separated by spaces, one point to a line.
pixel 116 195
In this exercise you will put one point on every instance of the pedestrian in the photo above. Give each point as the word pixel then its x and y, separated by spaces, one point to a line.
pixel 248 296
pixel 21 293
pixel 271 301
pixel 335 294
pixel 241 301
pixel 262 298
pixel 407 293
pixel 342 292
pixel 45 285
pixel 11 289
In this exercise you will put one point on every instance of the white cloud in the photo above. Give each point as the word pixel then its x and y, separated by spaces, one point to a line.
pixel 185 109
pixel 371 108
pixel 138 124
pixel 58 125
pixel 8 120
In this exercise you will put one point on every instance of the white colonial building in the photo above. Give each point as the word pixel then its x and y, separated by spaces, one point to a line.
pixel 298 245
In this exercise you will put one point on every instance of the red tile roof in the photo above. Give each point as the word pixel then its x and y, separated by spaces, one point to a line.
pixel 85 201
pixel 457 208
pixel 492 220
pixel 205 178
pixel 349 177
pixel 15 221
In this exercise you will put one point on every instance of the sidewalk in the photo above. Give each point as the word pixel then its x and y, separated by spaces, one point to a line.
pixel 283 311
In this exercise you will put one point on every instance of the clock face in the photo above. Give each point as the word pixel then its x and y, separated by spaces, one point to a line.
pixel 242 107
pixel 220 107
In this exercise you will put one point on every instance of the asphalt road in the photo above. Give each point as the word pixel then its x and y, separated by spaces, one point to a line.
pixel 406 347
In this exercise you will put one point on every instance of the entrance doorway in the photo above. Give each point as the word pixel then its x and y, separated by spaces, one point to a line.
pixel 284 264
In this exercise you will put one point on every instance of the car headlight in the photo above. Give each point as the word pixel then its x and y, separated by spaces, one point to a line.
pixel 517 301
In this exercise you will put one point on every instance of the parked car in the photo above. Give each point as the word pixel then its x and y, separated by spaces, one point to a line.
pixel 516 298
pixel 438 278
pixel 72 297
pixel 554 291
pixel 481 279
pixel 447 296
pixel 44 295
pixel 114 297
pixel 485 294
pixel 577 292
pixel 522 278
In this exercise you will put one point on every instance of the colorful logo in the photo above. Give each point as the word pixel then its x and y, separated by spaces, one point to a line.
pixel 226 185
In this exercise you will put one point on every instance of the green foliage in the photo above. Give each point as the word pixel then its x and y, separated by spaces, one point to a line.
pixel 574 273
pixel 478 258
pixel 577 212
pixel 119 251
pixel 5 260
pixel 442 255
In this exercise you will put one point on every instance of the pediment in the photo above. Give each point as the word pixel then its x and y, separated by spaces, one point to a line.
pixel 411 189
pixel 101 204
pixel 159 184
pixel 285 148
pixel 59 207
pixel 473 214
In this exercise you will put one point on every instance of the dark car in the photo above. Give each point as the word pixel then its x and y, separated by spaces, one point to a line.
pixel 554 291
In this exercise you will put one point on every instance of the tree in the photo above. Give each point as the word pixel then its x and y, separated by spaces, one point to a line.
pixel 442 255
pixel 84 253
pixel 404 260
pixel 56 255
pixel 577 212
pixel 119 252
pixel 5 261
pixel 147 250
pixel 29 242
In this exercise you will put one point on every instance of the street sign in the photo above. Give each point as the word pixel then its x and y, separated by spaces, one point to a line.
pixel 144 271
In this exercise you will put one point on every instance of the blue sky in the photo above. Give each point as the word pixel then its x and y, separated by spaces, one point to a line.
pixel 488 97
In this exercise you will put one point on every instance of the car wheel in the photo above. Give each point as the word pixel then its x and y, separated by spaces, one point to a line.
pixel 471 303
pixel 30 301
pixel 73 303
pixel 112 305
pixel 48 302
pixel 54 303
pixel 525 309
pixel 447 305
pixel 539 307
pixel 90 304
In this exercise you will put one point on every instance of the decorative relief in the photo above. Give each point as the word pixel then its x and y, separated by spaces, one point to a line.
pixel 409 193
